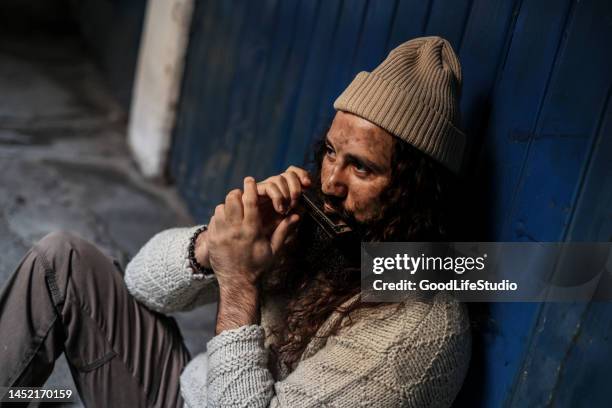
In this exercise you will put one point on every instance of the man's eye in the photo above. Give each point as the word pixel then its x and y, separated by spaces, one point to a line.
pixel 329 150
pixel 360 168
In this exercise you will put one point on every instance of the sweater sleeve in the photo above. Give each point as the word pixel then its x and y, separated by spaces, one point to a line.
pixel 394 362
pixel 159 275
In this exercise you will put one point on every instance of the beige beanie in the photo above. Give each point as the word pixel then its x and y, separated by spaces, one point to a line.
pixel 414 94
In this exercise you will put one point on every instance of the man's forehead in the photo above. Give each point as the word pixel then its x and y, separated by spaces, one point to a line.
pixel 351 131
pixel 346 120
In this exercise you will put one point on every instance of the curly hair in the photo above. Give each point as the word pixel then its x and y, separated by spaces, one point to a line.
pixel 416 206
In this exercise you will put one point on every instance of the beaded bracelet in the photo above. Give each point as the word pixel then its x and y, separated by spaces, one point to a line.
pixel 199 271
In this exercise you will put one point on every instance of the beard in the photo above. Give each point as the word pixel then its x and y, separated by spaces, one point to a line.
pixel 315 277
pixel 318 253
pixel 314 255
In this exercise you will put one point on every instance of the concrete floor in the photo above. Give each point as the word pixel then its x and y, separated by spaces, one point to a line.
pixel 64 164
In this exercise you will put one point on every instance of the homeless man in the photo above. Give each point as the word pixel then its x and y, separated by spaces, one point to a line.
pixel 291 330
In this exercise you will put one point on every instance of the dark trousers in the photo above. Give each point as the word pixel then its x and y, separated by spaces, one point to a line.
pixel 66 296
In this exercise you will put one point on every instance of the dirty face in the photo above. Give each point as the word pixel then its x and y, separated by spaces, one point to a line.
pixel 356 167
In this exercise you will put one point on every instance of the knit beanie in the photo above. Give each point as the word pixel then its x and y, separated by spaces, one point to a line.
pixel 414 95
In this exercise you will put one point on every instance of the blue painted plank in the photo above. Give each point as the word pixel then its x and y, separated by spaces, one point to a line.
pixel 288 85
pixel 570 135
pixel 558 351
pixel 499 345
pixel 447 19
pixel 524 68
pixel 366 29
pixel 240 133
pixel 481 54
pixel 521 86
pixel 339 74
pixel 592 218
pixel 203 29
pixel 374 36
pixel 207 157
pixel 312 84
pixel 409 21
pixel 585 377
pixel 207 174
pixel 359 45
pixel 556 326
pixel 566 126
pixel 505 347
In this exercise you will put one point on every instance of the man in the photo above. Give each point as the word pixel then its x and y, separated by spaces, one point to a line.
pixel 291 330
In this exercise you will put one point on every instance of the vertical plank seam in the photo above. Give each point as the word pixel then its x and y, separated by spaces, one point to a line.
pixel 256 116
pixel 179 136
pixel 312 123
pixel 282 150
pixel 596 137
pixel 237 51
pixel 364 14
pixel 282 155
pixel 426 17
pixel 541 314
pixel 466 18
pixel 391 25
pixel 503 58
pixel 501 65
pixel 568 351
pixel 561 43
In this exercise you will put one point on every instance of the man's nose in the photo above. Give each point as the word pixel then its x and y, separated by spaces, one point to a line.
pixel 335 185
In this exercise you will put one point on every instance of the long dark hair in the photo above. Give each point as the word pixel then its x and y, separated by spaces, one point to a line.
pixel 416 208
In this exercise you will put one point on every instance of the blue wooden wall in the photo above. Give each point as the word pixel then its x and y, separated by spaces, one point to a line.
pixel 260 80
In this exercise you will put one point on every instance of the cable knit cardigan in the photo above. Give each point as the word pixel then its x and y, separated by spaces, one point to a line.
pixel 414 355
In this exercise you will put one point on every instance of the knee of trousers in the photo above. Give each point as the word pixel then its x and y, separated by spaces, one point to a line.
pixel 61 248
pixel 59 243
pixel 67 257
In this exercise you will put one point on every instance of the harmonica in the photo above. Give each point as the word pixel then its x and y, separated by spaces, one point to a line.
pixel 333 226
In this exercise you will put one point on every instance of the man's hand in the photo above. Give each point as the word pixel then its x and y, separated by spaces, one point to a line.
pixel 240 251
pixel 284 189
pixel 277 196
pixel 201 249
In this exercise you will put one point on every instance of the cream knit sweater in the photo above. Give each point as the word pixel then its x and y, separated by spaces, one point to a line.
pixel 412 356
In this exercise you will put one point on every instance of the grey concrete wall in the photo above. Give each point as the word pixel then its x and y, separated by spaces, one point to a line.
pixel 30 16
pixel 112 30
pixel 64 162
